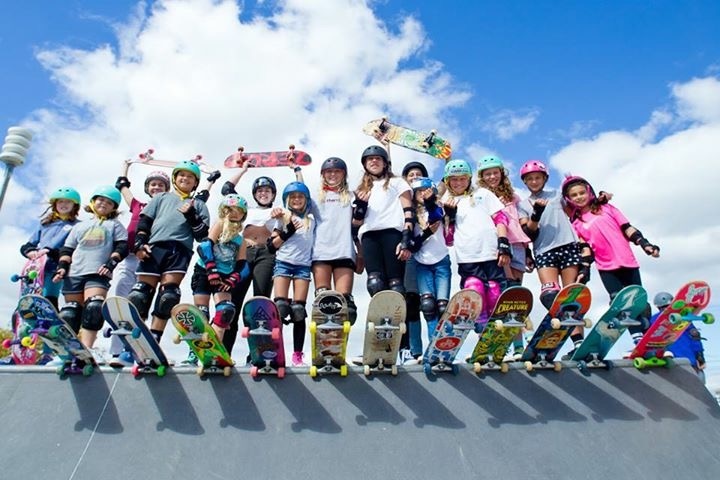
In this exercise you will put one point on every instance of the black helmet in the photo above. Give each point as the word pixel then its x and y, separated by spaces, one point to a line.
pixel 264 182
pixel 334 162
pixel 374 150
pixel 406 169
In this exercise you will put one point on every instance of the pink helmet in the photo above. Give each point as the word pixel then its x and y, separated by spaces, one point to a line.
pixel 157 175
pixel 533 166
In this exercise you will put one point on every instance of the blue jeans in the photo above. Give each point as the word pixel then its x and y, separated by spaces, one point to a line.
pixel 435 280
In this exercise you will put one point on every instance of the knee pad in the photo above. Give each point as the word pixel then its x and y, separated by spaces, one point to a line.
pixel 412 302
pixel 141 295
pixel 548 292
pixel 224 313
pixel 375 283
pixel 298 312
pixel 71 313
pixel 283 306
pixel 428 306
pixel 92 318
pixel 476 284
pixel 352 308
pixel 167 298
pixel 205 310
pixel 493 293
pixel 319 290
pixel 441 307
pixel 397 285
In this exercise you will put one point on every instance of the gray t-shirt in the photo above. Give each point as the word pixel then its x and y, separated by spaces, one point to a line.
pixel 555 229
pixel 93 242
pixel 169 225
pixel 298 248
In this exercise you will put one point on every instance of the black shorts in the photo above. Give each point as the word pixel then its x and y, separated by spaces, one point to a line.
pixel 166 257
pixel 80 283
pixel 485 271
pixel 339 263
pixel 561 257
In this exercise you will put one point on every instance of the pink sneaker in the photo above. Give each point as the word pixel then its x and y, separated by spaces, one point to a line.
pixel 297 359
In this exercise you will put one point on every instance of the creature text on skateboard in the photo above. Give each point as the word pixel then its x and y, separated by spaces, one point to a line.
pixel 459 319
pixel 566 313
pixel 508 318
pixel 283 158
pixel 147 158
pixel 383 331
pixel 125 321
pixel 263 330
pixel 192 326
pixel 41 320
pixel 386 132
pixel 625 310
pixel 31 279
pixel 686 306
pixel 329 329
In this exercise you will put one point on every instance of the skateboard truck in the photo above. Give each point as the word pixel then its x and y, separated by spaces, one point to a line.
pixel 430 139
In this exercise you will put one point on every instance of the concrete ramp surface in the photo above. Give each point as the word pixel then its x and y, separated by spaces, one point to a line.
pixel 621 423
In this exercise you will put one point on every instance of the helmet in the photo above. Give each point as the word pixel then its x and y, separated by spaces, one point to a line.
pixel 157 175
pixel 406 169
pixel 66 193
pixel 333 162
pixel 233 200
pixel 572 180
pixel 662 299
pixel 533 166
pixel 264 182
pixel 374 150
pixel 423 182
pixel 109 192
pixel 488 162
pixel 293 187
pixel 456 168
pixel 187 166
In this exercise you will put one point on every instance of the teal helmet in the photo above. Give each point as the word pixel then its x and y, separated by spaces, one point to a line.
pixel 456 168
pixel 233 200
pixel 109 192
pixel 66 193
pixel 488 162
pixel 187 166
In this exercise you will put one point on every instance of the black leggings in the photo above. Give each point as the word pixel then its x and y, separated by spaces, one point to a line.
pixel 379 253
pixel 616 280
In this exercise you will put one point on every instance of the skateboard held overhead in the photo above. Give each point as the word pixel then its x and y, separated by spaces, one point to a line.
pixel 284 158
pixel 429 143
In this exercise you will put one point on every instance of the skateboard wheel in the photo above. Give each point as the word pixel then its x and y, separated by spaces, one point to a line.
pixel 477 367
pixel 343 370
pixel 393 370
pixel 200 371
pixel 161 371
pixel 371 327
pixel 557 366
pixel 678 305
pixel 7 343
pixel 205 337
pixel 454 369
pixel 609 365
pixel 346 327
pixel 281 372
pixel 675 318
pixel 245 332
pixel 275 334
pixel 313 371
pixel 588 322
pixel 582 365
pixel 427 368
pixel 499 325
pixel 253 371
pixel 528 324
pixel 403 328
pixel 107 333
pixel 54 332
pixel 313 328
pixel 60 371
pixel 504 367
pixel 176 339
pixel 555 323
pixel 366 370
pixel 135 333
pixel 529 366
pixel 135 370
pixel 708 318
pixel 87 370
pixel 26 342
pixel 227 371
pixel 639 362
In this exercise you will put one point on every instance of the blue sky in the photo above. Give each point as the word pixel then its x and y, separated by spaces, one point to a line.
pixel 623 92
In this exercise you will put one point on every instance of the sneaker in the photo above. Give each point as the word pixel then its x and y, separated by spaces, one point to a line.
pixel 406 357
pixel 568 355
pixel 297 359
pixel 191 359
pixel 356 361
pixel 125 359
pixel 668 354
pixel 518 353
pixel 55 362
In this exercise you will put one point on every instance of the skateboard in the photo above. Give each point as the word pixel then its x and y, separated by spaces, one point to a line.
pixel 566 312
pixel 386 132
pixel 41 320
pixel 625 309
pixel 671 323
pixel 329 329
pixel 192 327
pixel 263 330
pixel 458 320
pixel 268 159
pixel 125 322
pixel 383 330
pixel 31 279
pixel 147 158
pixel 507 319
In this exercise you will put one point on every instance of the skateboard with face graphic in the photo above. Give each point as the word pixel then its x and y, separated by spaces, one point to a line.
pixel 192 327
pixel 283 158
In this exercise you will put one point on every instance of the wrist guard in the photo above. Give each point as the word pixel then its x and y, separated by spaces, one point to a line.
pixel 63 265
pixel 213 176
pixel 288 232
pixel 141 239
pixel 122 182
pixel 360 209
pixel 504 247
pixel 451 214
pixel 111 263
pixel 537 212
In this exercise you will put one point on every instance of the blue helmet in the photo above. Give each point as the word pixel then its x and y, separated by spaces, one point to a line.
pixel 293 187
pixel 423 182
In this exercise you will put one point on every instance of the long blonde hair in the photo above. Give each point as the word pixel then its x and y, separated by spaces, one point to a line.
pixel 230 229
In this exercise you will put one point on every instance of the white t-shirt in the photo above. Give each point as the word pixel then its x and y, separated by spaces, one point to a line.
pixel 333 238
pixel 384 208
pixel 259 217
pixel 475 231
pixel 433 249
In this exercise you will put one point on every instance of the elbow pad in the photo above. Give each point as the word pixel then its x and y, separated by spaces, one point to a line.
pixel 499 218
pixel 227 188
pixel 121 248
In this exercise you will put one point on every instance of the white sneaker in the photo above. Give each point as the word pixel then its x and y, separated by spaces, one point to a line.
pixel 55 362
pixel 406 357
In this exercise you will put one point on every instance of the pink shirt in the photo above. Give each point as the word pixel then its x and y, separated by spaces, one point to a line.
pixel 603 233
pixel 515 233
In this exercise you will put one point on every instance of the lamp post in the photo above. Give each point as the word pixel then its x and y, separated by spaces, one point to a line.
pixel 13 154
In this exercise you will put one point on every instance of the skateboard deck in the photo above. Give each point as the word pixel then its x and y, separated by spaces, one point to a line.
pixel 147 158
pixel 625 310
pixel 566 312
pixel 329 329
pixel 192 327
pixel 384 329
pixel 430 143
pixel 31 279
pixel 41 320
pixel 508 318
pixel 263 330
pixel 671 323
pixel 283 158
pixel 458 320
pixel 125 322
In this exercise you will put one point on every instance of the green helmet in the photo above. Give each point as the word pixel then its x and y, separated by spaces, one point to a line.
pixel 187 166
pixel 233 200
pixel 109 192
pixel 488 162
pixel 456 168
pixel 66 193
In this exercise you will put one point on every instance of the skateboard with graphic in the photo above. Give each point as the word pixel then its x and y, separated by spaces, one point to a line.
pixel 566 312
pixel 329 330
pixel 31 279
pixel 193 327
pixel 126 323
pixel 384 329
pixel 283 158
pixel 508 318
pixel 625 310
pixel 429 143
pixel 41 320
pixel 263 330
pixel 456 322
pixel 147 158
pixel 686 306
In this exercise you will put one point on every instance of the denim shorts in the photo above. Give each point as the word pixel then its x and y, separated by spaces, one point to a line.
pixel 518 257
pixel 296 272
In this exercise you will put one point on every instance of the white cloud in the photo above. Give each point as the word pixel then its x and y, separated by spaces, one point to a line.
pixel 507 124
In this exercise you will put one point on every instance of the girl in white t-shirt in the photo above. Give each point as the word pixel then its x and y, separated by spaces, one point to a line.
pixel 479 234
